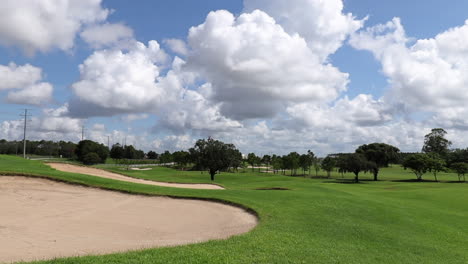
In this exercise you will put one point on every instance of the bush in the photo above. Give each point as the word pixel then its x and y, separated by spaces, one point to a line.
pixel 91 158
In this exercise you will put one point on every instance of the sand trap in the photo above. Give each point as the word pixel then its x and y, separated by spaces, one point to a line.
pixel 115 176
pixel 42 219
pixel 141 169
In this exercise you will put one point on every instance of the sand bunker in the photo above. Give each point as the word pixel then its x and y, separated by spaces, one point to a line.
pixel 115 176
pixel 42 219
pixel 141 169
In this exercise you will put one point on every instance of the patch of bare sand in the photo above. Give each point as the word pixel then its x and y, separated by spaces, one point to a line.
pixel 141 169
pixel 115 176
pixel 42 219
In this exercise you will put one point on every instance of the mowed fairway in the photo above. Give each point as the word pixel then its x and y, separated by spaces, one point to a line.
pixel 316 221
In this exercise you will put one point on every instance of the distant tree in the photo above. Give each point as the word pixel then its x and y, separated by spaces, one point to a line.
pixel 328 164
pixel 117 152
pixel 436 165
pixel 379 153
pixel 152 155
pixel 213 155
pixel 305 162
pixel 313 161
pixel 292 162
pixel 317 163
pixel 461 168
pixel 252 159
pixel 419 164
pixel 277 163
pixel 182 158
pixel 87 146
pixel 435 142
pixel 356 163
pixel 130 152
pixel 234 157
pixel 166 157
pixel 266 160
pixel 457 156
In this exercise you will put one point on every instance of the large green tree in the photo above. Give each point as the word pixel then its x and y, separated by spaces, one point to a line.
pixel 355 163
pixel 381 154
pixel 418 163
pixel 213 155
pixel 435 142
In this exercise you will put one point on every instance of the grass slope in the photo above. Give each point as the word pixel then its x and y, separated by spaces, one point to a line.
pixel 314 222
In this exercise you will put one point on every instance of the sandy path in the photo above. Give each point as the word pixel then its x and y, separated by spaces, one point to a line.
pixel 42 219
pixel 115 176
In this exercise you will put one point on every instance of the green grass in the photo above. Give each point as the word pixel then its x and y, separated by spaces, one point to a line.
pixel 316 221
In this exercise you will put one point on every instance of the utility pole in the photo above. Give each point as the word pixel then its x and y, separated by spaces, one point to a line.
pixel 82 132
pixel 108 142
pixel 25 117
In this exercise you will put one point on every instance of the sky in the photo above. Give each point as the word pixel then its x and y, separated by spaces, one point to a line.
pixel 270 76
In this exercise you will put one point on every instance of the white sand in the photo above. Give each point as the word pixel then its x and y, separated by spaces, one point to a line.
pixel 115 176
pixel 42 219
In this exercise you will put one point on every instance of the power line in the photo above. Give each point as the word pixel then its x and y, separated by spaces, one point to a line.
pixel 25 117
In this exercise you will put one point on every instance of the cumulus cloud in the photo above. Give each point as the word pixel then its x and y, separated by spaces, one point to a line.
pixel 98 36
pixel 322 23
pixel 427 74
pixel 120 82
pixel 24 85
pixel 178 46
pixel 44 25
pixel 256 68
pixel 36 94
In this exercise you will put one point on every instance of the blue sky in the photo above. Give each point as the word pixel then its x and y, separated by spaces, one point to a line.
pixel 367 91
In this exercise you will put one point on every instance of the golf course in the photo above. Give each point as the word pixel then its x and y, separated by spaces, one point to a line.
pixel 300 219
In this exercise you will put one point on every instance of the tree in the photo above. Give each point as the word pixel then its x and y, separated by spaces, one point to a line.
pixel 213 155
pixel 317 164
pixel 435 142
pixel 277 163
pixel 252 159
pixel 291 161
pixel 461 168
pixel 87 146
pixel 379 153
pixel 130 152
pixel 328 164
pixel 117 152
pixel 166 158
pixel 356 163
pixel 234 156
pixel 152 155
pixel 266 160
pixel 182 158
pixel 305 162
pixel 418 163
pixel 436 165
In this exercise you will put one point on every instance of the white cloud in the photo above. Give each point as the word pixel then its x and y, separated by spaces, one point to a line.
pixel 45 25
pixel 18 77
pixel 107 34
pixel 177 45
pixel 427 74
pixel 322 23
pixel 24 85
pixel 120 82
pixel 36 94
pixel 256 68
